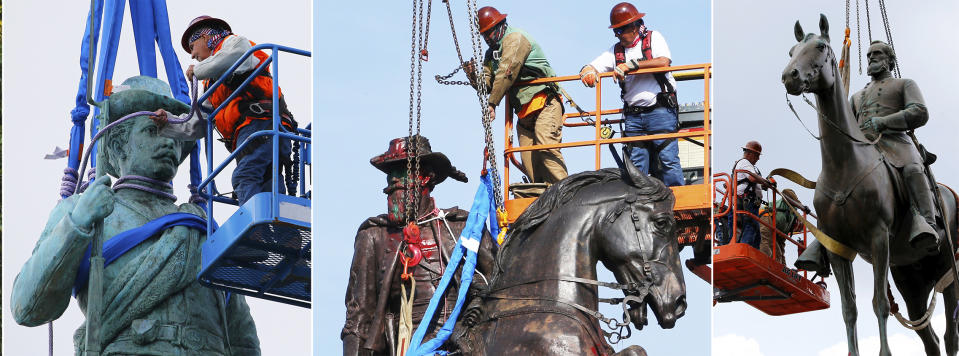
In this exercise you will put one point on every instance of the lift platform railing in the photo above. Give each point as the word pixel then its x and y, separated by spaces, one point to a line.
pixel 697 197
pixel 730 205
pixel 300 135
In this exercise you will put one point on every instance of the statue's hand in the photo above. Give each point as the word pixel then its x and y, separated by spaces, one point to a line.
pixel 95 204
pixel 874 124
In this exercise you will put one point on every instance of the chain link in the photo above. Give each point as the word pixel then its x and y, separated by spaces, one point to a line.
pixel 888 29
pixel 859 36
pixel 444 79
pixel 482 94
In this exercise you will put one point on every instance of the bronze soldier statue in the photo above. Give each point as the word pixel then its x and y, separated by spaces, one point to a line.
pixel 892 107
pixel 373 295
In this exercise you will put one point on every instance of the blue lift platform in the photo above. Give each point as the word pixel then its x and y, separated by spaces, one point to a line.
pixel 263 249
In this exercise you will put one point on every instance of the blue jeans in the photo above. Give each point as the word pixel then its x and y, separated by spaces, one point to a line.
pixel 253 173
pixel 750 227
pixel 648 154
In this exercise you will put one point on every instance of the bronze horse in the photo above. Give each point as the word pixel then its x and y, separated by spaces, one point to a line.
pixel 858 205
pixel 543 294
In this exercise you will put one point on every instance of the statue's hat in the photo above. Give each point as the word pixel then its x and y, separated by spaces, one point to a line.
pixel 437 162
pixel 140 93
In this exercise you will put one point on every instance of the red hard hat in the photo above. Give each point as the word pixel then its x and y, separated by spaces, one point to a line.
pixel 624 14
pixel 488 17
pixel 753 146
pixel 200 22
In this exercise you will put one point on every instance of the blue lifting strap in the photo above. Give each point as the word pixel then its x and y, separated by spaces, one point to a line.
pixel 124 241
pixel 467 244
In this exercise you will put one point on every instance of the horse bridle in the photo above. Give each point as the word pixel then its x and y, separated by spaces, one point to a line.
pixel 634 291
pixel 831 56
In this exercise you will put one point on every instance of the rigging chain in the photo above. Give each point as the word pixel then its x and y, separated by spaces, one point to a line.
pixel 418 38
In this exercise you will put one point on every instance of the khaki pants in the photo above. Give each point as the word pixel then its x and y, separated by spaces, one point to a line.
pixel 766 244
pixel 542 128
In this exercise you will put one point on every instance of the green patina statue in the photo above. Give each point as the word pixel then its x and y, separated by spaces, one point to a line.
pixel 151 303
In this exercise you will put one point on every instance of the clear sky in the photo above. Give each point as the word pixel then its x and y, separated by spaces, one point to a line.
pixel 362 100
pixel 41 72
pixel 751 43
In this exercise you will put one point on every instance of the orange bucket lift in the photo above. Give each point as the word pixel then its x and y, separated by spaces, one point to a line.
pixel 692 208
pixel 743 273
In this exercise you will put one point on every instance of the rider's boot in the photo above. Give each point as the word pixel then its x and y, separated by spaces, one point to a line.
pixel 814 259
pixel 923 233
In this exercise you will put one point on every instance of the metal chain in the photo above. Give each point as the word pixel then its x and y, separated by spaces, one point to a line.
pixel 408 193
pixel 482 95
pixel 444 79
pixel 888 29
pixel 868 21
pixel 859 36
pixel 423 36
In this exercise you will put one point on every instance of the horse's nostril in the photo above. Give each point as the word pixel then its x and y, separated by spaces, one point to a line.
pixel 794 73
pixel 680 306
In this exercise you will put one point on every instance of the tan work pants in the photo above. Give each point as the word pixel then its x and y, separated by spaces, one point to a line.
pixel 543 128
pixel 766 244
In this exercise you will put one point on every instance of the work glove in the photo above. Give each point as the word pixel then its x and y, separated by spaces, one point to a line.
pixel 160 117
pixel 588 76
pixel 469 67
pixel 619 73
pixel 875 124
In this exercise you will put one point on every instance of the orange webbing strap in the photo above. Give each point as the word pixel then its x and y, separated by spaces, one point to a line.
pixel 844 63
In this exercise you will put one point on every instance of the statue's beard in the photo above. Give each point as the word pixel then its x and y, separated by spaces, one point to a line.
pixel 877 67
pixel 396 207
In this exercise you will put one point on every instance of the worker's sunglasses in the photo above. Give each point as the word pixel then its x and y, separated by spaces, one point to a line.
pixel 620 30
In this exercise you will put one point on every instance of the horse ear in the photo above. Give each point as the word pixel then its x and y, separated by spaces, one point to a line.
pixel 799 32
pixel 633 175
pixel 823 27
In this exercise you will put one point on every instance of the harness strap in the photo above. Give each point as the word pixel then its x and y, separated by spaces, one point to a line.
pixel 123 242
pixel 619 52
pixel 828 242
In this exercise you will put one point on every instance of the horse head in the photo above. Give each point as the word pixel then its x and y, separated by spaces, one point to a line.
pixel 636 240
pixel 811 67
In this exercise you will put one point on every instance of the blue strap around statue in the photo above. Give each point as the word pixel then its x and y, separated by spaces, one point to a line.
pixel 466 246
pixel 122 243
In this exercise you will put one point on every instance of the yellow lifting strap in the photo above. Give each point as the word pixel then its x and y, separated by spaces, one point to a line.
pixel 844 63
pixel 405 332
pixel 503 225
pixel 831 244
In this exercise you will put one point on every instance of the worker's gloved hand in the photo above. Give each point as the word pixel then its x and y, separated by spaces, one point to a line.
pixel 588 76
pixel 619 73
pixel 160 117
pixel 94 205
pixel 189 73
pixel 873 123
pixel 469 67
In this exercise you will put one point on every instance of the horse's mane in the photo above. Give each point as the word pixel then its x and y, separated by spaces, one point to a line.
pixel 560 193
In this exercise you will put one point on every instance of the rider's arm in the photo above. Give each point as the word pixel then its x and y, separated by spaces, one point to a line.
pixel 914 113
pixel 231 50
pixel 513 52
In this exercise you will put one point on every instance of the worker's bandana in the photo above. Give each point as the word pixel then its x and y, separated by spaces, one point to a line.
pixel 496 34
pixel 216 35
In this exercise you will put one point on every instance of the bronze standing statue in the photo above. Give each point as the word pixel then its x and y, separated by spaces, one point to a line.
pixel 862 199
pixel 152 302
pixel 373 296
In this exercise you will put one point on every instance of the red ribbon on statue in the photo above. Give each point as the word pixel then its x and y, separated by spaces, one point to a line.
pixel 411 235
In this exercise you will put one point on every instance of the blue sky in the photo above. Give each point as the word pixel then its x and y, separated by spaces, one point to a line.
pixel 361 97
pixel 751 44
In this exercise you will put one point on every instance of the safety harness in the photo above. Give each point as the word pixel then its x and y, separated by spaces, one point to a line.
pixel 667 95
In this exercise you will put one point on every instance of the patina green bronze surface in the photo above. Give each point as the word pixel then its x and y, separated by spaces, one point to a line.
pixel 152 303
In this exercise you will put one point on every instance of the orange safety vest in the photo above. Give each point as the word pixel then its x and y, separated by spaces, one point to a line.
pixel 231 118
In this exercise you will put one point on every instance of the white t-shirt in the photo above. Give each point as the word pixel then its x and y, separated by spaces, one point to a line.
pixel 744 165
pixel 641 89
pixel 234 46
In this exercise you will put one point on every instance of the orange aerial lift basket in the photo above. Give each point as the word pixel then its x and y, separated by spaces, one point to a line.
pixel 743 273
pixel 692 206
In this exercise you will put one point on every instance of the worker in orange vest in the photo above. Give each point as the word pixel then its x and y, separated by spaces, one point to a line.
pixel 210 41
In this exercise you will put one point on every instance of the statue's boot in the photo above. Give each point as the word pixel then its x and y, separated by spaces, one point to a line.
pixel 814 259
pixel 922 233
